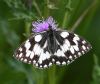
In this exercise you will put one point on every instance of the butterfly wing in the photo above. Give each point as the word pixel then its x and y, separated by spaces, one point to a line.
pixel 34 51
pixel 70 46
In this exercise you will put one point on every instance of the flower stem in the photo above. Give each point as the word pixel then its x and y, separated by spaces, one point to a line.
pixel 41 80
pixel 51 74
pixel 37 8
pixel 27 29
pixel 79 20
pixel 67 14
pixel 46 9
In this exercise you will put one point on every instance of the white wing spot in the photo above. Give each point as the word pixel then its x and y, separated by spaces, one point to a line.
pixel 68 62
pixel 21 59
pixel 63 63
pixel 88 48
pixel 28 52
pixel 38 50
pixel 79 53
pixel 59 53
pixel 32 55
pixel 44 56
pixel 64 34
pixel 36 64
pixel 76 47
pixel 72 50
pixel 50 64
pixel 25 60
pixel 64 47
pixel 57 62
pixel 76 35
pixel 34 61
pixel 53 60
pixel 20 49
pixel 20 55
pixel 83 47
pixel 75 56
pixel 27 45
pixel 45 66
pixel 75 39
pixel 40 66
pixel 38 38
pixel 47 55
pixel 83 41
pixel 45 44
pixel 83 52
pixel 17 55
pixel 70 57
pixel 67 42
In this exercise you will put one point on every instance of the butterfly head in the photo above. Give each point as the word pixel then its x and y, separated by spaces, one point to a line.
pixel 44 25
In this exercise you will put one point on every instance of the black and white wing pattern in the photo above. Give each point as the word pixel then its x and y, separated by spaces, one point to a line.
pixel 70 46
pixel 36 50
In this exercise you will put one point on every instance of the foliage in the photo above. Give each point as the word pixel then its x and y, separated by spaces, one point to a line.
pixel 80 16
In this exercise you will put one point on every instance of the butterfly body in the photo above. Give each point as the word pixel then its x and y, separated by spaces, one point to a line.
pixel 49 45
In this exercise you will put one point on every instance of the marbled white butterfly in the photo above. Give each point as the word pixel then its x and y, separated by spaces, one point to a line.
pixel 49 45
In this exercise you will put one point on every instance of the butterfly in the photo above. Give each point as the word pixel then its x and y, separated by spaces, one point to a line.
pixel 48 45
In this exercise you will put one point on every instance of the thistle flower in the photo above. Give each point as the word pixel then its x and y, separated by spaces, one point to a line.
pixel 43 25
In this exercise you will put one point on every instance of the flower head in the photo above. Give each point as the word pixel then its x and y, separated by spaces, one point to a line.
pixel 43 25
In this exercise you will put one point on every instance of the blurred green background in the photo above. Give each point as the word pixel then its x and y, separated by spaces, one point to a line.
pixel 80 16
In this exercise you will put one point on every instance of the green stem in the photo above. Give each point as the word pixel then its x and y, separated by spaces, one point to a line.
pixel 65 20
pixel 27 29
pixel 29 78
pixel 95 59
pixel 79 20
pixel 40 79
pixel 61 74
pixel 96 71
pixel 46 9
pixel 37 8
pixel 67 14
pixel 52 75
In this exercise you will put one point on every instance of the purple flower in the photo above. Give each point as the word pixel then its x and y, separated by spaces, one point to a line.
pixel 43 25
